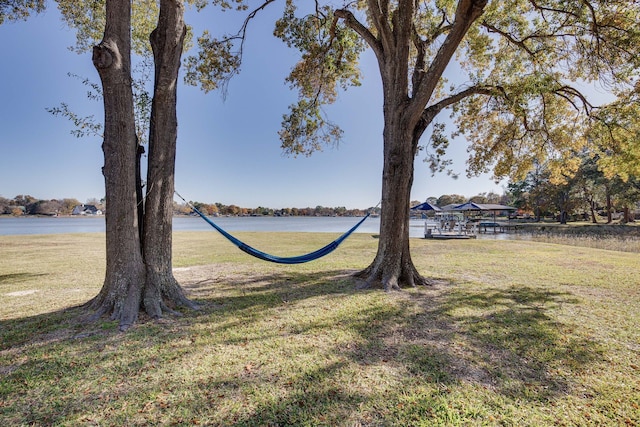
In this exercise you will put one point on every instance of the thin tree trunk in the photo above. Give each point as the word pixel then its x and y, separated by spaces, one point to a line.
pixel 162 291
pixel 594 218
pixel 609 205
pixel 627 215
pixel 125 274
pixel 592 204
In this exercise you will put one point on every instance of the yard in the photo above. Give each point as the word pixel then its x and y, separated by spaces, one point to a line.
pixel 513 333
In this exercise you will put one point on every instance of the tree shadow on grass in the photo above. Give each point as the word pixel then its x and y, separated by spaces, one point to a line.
pixel 18 277
pixel 300 284
pixel 236 292
pixel 39 329
pixel 38 351
pixel 244 291
pixel 505 340
pixel 311 398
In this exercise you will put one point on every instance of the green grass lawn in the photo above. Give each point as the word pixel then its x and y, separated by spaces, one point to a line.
pixel 514 333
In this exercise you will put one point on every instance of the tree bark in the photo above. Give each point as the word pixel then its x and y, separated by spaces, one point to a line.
pixel 393 267
pixel 125 273
pixel 162 291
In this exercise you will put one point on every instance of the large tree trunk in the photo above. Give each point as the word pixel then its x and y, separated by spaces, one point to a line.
pixel 125 273
pixel 139 273
pixel 393 268
pixel 162 291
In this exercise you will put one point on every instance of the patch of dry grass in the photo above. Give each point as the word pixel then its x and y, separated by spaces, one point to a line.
pixel 614 237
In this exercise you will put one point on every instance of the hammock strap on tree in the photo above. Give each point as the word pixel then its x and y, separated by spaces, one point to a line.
pixel 325 250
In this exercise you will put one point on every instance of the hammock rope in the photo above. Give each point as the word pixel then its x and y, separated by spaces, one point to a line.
pixel 325 250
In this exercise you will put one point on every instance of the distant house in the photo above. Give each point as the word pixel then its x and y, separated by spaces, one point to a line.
pixel 15 209
pixel 86 210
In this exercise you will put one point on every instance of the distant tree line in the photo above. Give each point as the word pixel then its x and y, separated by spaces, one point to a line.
pixel 585 193
pixel 213 209
pixel 29 205
pixel 457 199
pixel 233 210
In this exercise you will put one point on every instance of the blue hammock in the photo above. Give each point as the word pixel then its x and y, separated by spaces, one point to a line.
pixel 282 260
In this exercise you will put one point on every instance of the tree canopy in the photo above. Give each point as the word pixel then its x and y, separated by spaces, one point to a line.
pixel 616 137
pixel 14 10
pixel 517 85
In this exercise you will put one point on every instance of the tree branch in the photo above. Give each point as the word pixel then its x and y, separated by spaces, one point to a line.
pixel 493 29
pixel 350 21
pixel 418 71
pixel 466 13
pixel 439 31
pixel 243 30
pixel 432 111
pixel 550 9
pixel 379 10
pixel 568 92
pixel 421 48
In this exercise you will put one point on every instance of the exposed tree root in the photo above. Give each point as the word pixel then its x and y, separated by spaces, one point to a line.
pixel 390 276
pixel 161 295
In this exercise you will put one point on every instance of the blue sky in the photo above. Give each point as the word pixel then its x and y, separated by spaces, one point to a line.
pixel 228 149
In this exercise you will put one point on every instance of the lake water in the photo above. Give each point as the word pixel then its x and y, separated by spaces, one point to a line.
pixel 62 225
pixel 57 225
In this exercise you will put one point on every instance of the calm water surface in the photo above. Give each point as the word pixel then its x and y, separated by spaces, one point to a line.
pixel 57 225
pixel 63 225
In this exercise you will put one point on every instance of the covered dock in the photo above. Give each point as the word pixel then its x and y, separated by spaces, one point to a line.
pixel 459 221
